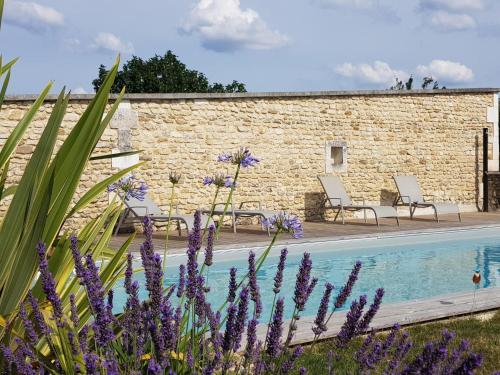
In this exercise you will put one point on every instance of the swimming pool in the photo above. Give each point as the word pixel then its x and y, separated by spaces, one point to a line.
pixel 408 267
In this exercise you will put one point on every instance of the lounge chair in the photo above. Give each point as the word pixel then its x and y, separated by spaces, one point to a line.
pixel 409 194
pixel 339 200
pixel 136 210
pixel 236 213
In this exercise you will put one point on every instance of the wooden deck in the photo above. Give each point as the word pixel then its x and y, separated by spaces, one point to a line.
pixel 248 235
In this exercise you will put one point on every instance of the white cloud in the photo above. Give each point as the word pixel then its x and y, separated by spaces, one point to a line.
pixel 446 21
pixel 223 25
pixel 110 42
pixel 79 90
pixel 32 16
pixel 450 15
pixel 452 5
pixel 379 73
pixel 446 71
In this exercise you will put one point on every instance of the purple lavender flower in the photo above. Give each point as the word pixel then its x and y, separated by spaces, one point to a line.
pixel 167 326
pixel 28 326
pixel 285 223
pixel 346 290
pixel 251 339
pixel 74 313
pixel 128 273
pixel 192 267
pixel 241 318
pixel 72 343
pixel 8 356
pixel 91 363
pixel 302 371
pixel 348 330
pixel 319 322
pixel 103 334
pixel 302 283
pixel 154 368
pixel 209 250
pixel 287 366
pixel 227 342
pixel 273 339
pixel 232 285
pixel 155 284
pixel 278 279
pixel 368 317
pixel 82 338
pixel 42 327
pixel 252 283
pixel 129 187
pixel 182 280
pixel 49 285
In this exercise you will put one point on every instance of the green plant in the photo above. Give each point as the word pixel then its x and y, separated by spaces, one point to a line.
pixel 42 201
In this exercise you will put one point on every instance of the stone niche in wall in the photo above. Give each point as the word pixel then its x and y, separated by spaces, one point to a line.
pixel 335 156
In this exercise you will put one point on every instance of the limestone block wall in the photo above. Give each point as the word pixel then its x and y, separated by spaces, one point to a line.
pixel 435 135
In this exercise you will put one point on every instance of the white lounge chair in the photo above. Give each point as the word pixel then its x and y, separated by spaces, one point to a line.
pixel 236 213
pixel 409 194
pixel 136 210
pixel 339 200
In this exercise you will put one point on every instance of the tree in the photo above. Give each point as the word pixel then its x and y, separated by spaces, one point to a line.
pixel 408 85
pixel 162 74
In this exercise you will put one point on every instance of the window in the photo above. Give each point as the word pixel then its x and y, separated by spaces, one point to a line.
pixel 335 156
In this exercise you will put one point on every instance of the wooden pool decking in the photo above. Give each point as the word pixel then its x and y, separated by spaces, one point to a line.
pixel 404 313
pixel 253 235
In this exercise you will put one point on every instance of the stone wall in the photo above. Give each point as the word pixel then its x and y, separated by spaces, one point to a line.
pixel 435 135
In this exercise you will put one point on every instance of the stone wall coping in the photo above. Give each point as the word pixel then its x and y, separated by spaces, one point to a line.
pixel 257 95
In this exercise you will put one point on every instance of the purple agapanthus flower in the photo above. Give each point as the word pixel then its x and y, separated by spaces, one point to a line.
pixel 285 223
pixel 241 157
pixel 220 180
pixel 129 187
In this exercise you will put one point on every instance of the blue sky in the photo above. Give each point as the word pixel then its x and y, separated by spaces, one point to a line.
pixel 278 45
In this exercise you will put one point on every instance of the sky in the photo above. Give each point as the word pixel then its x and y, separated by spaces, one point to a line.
pixel 270 45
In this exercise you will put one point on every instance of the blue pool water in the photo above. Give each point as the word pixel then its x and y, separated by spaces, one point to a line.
pixel 408 268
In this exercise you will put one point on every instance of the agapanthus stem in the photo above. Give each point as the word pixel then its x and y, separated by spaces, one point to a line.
pixel 229 200
pixel 212 209
pixel 172 194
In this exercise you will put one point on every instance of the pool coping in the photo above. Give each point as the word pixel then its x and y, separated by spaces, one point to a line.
pixel 338 238
pixel 403 313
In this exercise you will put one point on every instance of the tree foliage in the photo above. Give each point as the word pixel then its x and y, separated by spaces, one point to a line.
pixel 427 82
pixel 162 74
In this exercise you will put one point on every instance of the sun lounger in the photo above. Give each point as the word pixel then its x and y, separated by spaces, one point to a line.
pixel 136 210
pixel 340 201
pixel 409 194
pixel 236 213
